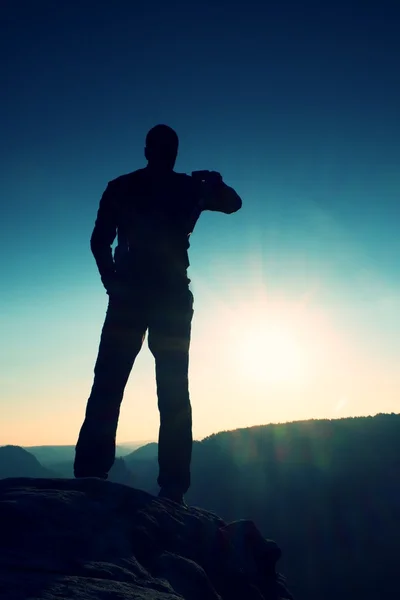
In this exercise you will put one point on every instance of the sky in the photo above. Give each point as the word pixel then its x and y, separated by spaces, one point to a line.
pixel 297 296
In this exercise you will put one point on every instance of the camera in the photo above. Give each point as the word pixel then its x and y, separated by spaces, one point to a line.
pixel 201 176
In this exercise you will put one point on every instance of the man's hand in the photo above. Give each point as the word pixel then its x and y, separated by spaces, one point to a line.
pixel 215 194
pixel 115 287
pixel 207 178
pixel 211 182
pixel 213 179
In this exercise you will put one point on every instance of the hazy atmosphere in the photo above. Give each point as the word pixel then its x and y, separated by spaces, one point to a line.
pixel 297 296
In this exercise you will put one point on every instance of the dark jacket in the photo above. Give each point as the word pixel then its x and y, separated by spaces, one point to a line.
pixel 153 218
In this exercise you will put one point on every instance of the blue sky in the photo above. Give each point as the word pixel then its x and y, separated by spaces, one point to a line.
pixel 296 104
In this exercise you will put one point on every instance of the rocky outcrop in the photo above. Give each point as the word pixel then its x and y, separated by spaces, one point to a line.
pixel 89 539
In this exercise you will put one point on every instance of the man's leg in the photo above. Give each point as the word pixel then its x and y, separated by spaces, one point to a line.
pixel 169 341
pixel 121 340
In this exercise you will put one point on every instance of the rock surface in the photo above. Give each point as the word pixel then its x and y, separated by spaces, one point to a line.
pixel 90 539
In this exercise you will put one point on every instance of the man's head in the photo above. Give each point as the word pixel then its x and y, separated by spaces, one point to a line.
pixel 161 147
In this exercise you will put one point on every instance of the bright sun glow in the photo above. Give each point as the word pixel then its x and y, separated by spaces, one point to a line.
pixel 270 353
pixel 271 345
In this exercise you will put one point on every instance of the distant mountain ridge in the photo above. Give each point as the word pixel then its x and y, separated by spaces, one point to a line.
pixel 49 455
pixel 149 450
pixel 18 462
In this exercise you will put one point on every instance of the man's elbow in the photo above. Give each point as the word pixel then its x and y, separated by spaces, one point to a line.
pixel 98 243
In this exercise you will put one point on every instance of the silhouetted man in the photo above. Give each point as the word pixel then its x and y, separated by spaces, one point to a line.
pixel 153 211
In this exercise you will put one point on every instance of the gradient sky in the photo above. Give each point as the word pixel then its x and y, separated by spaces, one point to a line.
pixel 297 296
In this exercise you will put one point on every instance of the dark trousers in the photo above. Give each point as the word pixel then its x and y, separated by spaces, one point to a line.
pixel 167 315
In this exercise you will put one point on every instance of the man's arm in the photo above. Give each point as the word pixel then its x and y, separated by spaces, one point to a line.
pixel 218 196
pixel 103 235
